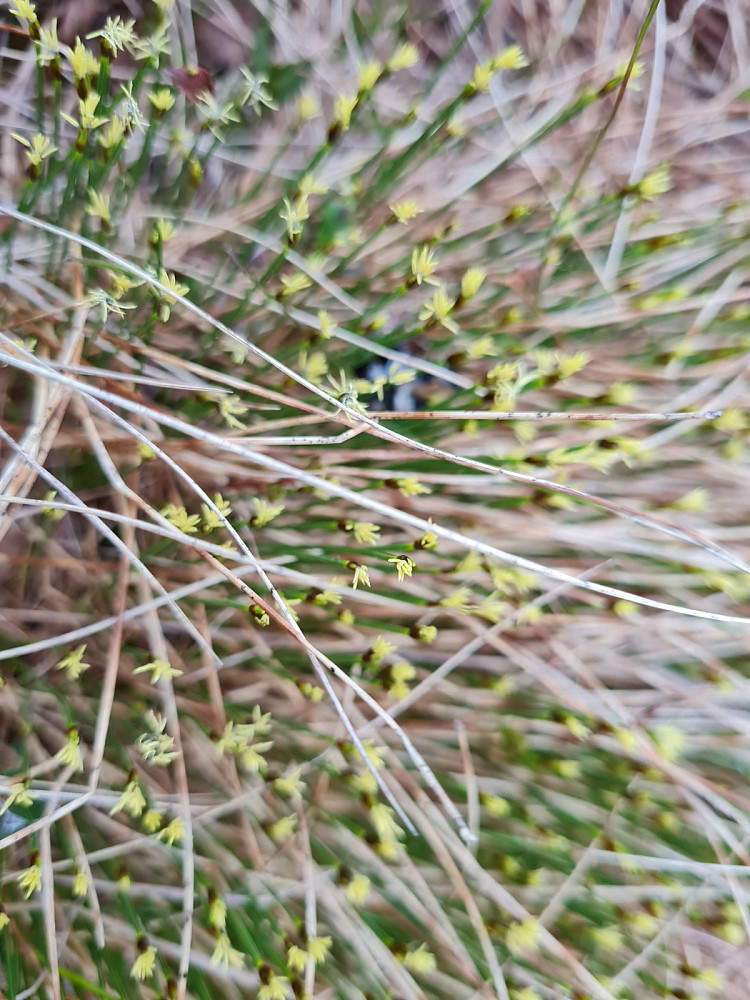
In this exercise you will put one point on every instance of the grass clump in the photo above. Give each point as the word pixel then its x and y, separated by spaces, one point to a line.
pixel 374 601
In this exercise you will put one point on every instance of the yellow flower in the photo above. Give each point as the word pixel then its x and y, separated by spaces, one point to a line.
pixel 400 376
pixel 405 56
pixel 495 805
pixel 225 955
pixel 503 686
pixel 669 740
pixel 471 563
pixel 132 800
pixel 326 597
pixel 283 827
pixel 120 284
pixel 343 109
pixel 620 70
pixel 621 393
pixel 569 769
pixel 180 519
pixel 523 936
pixel 98 206
pixel 211 519
pixel 423 263
pixel 152 820
pixel 172 831
pixel 731 420
pixel 569 364
pixel 53 513
pixel 420 960
pixel 30 879
pixel 456 127
pixel 428 540
pixel 579 729
pixel 291 784
pixel 374 753
pixel 49 46
pixel 294 216
pixel 657 182
pixel 365 532
pixel 144 965
pixel 510 58
pixel 69 755
pixel 733 449
pixel 710 977
pixel 264 512
pixel 163 230
pixel 312 366
pixel 402 672
pixel 217 913
pixel 388 848
pixel 87 116
pixel 234 738
pixel 471 282
pixel 319 948
pixel 483 73
pixel 72 663
pixel 695 500
pixel 644 923
pixel 358 889
pixel 364 782
pixel 733 933
pixel 308 107
pixel 230 409
pixel 490 608
pixel 404 211
pixel 274 989
pixel 160 670
pixel 483 347
pixel 4 920
pixel 292 283
pixel 80 883
pixel 607 938
pixel 405 566
pixel 369 74
pixel 174 287
pixel 25 11
pixel 438 309
pixel 38 149
pixel 360 575
pixel 424 633
pixel 162 99
pixel 114 132
pixel 296 959
pixel 326 324
pixel 380 648
pixel 410 486
pixel 385 825
pixel 17 795
pixel 82 61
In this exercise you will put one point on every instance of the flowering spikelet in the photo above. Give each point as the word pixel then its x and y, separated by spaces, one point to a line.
pixel 144 965
pixel 419 960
